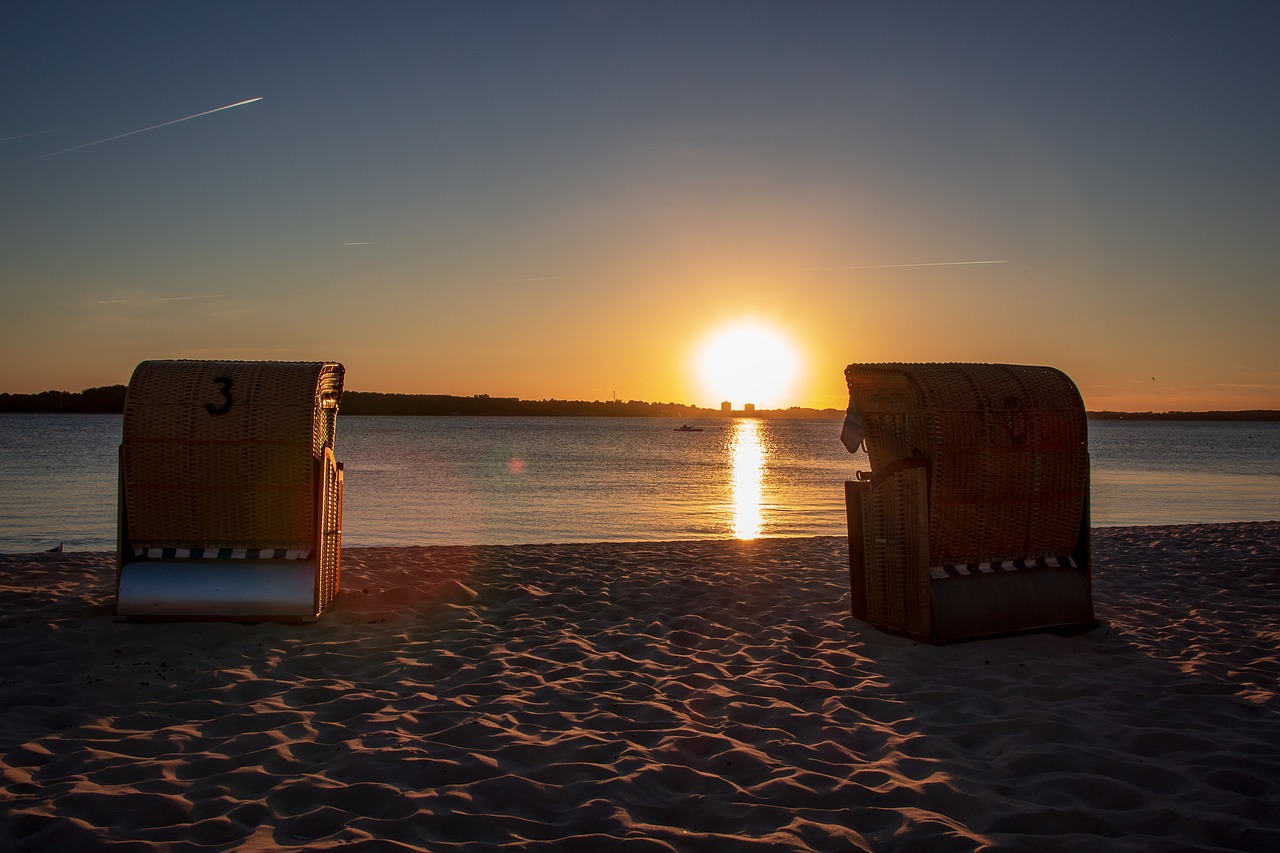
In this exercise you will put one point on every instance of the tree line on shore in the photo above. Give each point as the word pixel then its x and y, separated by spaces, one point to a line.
pixel 105 400
pixel 1244 415
pixel 109 399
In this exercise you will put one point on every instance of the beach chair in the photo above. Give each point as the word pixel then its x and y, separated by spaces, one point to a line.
pixel 974 518
pixel 230 495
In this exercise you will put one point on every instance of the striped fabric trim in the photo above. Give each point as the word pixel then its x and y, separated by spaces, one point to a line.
pixel 972 569
pixel 223 553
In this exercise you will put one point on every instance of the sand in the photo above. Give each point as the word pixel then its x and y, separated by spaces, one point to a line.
pixel 677 696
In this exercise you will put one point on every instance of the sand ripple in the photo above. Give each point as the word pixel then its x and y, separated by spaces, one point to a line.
pixel 671 696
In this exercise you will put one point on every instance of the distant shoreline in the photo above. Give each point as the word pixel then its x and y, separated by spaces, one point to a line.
pixel 110 400
pixel 1244 415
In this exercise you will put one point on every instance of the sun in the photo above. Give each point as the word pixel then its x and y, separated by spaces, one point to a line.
pixel 748 361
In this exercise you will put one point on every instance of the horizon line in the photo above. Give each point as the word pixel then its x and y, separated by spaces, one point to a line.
pixel 710 409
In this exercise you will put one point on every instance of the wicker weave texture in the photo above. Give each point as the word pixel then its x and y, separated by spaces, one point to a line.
pixel 226 453
pixel 1006 447
pixel 897 544
pixel 330 522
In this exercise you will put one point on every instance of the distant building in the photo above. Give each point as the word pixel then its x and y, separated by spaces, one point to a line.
pixel 726 406
pixel 748 408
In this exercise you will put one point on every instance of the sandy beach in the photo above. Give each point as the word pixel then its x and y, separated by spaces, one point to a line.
pixel 675 696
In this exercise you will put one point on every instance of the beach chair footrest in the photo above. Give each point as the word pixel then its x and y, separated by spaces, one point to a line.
pixel 218 589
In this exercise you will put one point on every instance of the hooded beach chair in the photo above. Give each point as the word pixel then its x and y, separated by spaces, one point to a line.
pixel 974 519
pixel 230 495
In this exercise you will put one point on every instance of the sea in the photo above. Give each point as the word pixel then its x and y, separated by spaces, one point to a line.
pixel 496 480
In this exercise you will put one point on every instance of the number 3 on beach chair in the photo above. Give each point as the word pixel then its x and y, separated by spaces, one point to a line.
pixel 230 503
pixel 975 519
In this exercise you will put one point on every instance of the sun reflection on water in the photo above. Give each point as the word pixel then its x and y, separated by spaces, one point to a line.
pixel 748 454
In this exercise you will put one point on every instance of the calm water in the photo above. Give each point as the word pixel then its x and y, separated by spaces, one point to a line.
pixel 526 480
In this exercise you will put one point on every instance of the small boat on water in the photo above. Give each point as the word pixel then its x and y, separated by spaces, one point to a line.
pixel 687 428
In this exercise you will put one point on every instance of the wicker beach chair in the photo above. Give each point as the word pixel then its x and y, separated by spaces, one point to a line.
pixel 230 495
pixel 974 520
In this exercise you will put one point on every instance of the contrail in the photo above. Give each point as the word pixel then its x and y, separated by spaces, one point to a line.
pixel 154 299
pixel 144 129
pixel 32 133
pixel 901 266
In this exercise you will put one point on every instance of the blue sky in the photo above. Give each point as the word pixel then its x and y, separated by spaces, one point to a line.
pixel 564 199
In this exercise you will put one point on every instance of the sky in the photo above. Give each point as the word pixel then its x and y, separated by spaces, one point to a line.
pixel 569 199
